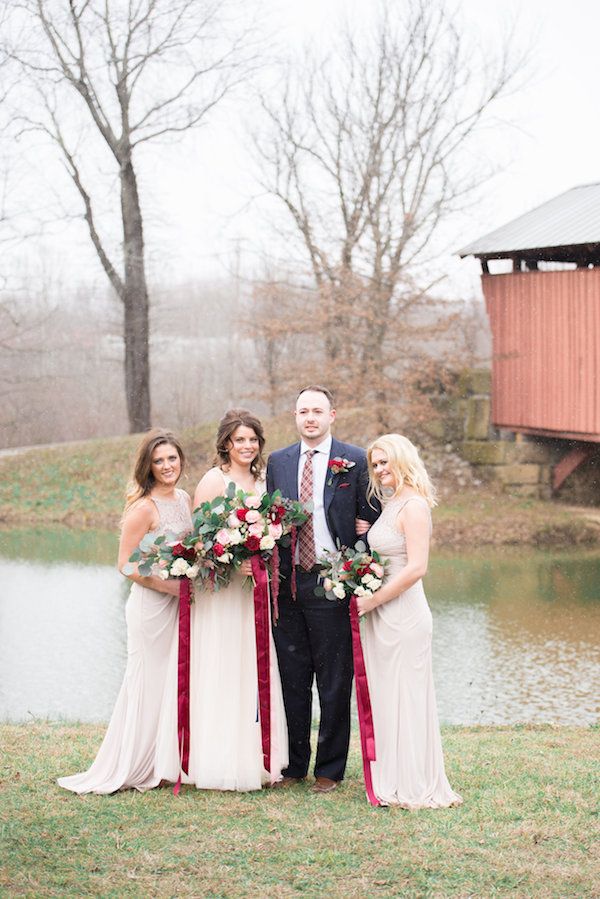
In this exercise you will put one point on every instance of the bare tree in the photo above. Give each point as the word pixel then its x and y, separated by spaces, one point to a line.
pixel 136 71
pixel 366 151
pixel 280 339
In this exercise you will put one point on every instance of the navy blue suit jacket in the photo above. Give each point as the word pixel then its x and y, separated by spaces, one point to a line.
pixel 344 499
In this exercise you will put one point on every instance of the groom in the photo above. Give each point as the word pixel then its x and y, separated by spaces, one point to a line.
pixel 312 635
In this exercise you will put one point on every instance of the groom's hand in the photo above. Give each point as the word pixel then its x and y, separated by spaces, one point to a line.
pixel 361 526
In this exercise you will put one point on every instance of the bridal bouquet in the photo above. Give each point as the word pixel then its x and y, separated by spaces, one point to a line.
pixel 226 530
pixel 239 525
pixel 350 572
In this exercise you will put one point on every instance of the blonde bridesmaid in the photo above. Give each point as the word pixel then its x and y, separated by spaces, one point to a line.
pixel 409 771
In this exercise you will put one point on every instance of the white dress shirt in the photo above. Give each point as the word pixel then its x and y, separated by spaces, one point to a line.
pixel 323 539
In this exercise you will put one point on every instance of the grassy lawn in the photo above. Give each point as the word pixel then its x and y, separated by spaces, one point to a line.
pixel 529 827
pixel 83 486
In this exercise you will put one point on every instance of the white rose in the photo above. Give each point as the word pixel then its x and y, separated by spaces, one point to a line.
pixel 233 521
pixel 367 578
pixel 339 591
pixel 163 574
pixel 179 567
pixel 235 537
pixel 223 537
pixel 192 571
pixel 328 584
pixel 275 530
pixel 267 542
pixel 252 516
pixel 252 502
pixel 374 584
pixel 256 530
pixel 226 558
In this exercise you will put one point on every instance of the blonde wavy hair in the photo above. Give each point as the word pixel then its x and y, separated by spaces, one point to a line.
pixel 405 464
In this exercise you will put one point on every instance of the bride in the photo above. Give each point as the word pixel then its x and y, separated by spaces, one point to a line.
pixel 225 736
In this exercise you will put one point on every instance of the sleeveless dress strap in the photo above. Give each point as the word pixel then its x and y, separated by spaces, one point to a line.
pixel 419 498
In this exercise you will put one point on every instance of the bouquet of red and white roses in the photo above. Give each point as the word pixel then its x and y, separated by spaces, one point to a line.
pixel 226 530
pixel 238 525
pixel 350 572
pixel 164 555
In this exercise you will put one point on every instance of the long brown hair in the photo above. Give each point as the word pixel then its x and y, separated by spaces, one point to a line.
pixel 142 480
pixel 231 421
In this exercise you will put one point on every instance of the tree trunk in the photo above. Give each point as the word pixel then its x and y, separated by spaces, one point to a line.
pixel 135 299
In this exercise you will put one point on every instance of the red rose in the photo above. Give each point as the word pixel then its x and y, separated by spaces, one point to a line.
pixel 347 566
pixel 185 552
pixel 252 543
pixel 277 514
pixel 364 569
pixel 241 514
pixel 218 549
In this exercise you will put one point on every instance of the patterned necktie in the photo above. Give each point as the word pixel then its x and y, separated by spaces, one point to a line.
pixel 306 537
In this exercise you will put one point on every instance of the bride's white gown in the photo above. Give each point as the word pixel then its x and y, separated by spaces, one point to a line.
pixel 225 736
pixel 126 756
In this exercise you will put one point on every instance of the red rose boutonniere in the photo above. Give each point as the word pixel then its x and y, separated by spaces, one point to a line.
pixel 337 466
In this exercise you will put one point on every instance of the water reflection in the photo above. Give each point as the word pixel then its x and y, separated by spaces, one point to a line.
pixel 516 635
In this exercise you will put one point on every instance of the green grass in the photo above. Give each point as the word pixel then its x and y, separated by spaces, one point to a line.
pixel 528 827
pixel 83 486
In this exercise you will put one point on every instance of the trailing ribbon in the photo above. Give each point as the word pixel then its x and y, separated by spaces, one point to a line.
pixel 275 581
pixel 363 702
pixel 294 533
pixel 183 678
pixel 263 636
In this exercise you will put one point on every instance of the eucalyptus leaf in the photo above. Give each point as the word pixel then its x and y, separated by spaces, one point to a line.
pixel 319 590
pixel 147 542
pixel 128 568
pixel 145 568
pixel 360 546
pixel 135 556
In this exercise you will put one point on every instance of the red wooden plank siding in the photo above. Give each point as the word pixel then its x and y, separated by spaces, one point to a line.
pixel 546 351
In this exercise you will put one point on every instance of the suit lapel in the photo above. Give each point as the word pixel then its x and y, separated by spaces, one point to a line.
pixel 291 472
pixel 329 491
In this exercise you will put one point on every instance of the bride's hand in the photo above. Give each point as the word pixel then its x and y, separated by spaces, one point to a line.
pixel 246 568
pixel 170 586
pixel 361 526
pixel 366 604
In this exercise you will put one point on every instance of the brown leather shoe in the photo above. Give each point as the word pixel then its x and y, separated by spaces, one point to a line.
pixel 324 785
pixel 287 782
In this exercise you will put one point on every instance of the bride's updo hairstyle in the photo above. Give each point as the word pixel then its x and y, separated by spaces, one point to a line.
pixel 405 464
pixel 142 480
pixel 231 421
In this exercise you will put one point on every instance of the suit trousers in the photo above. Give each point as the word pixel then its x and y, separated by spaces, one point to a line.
pixel 313 639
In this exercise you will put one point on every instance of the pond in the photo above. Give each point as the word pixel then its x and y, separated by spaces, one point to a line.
pixel 516 633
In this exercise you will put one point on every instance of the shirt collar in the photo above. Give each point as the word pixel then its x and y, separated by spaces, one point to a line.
pixel 323 447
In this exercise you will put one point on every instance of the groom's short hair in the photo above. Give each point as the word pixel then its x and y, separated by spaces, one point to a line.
pixel 317 388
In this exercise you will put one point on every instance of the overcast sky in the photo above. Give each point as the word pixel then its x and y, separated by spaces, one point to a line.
pixel 201 187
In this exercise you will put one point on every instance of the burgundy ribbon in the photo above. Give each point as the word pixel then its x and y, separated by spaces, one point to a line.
pixel 294 533
pixel 275 581
pixel 263 637
pixel 363 702
pixel 183 678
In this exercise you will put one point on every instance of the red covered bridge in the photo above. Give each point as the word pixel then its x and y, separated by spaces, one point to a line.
pixel 545 320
